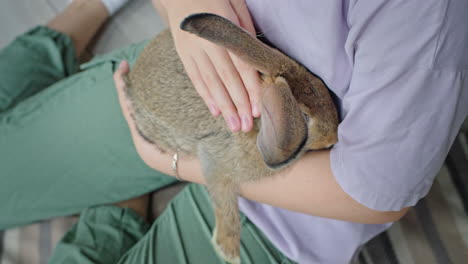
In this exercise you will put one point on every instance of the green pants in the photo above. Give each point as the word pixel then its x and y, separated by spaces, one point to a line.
pixel 65 148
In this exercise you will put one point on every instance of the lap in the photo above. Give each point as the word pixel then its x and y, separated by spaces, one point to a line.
pixel 68 147
pixel 182 234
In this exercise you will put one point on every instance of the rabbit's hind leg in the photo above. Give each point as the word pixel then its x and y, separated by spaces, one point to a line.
pixel 226 234
pixel 223 193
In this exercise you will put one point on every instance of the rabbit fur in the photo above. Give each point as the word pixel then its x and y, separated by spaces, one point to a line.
pixel 298 115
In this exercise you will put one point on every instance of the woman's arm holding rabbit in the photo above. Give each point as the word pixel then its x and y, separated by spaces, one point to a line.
pixel 309 186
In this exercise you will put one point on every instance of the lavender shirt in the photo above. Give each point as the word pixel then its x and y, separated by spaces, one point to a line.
pixel 399 71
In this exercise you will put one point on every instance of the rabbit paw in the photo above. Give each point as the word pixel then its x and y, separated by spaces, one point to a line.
pixel 226 247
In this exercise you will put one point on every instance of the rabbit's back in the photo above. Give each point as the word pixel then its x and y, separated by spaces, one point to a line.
pixel 168 109
pixel 169 112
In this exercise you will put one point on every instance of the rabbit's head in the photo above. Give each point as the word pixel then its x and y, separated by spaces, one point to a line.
pixel 289 126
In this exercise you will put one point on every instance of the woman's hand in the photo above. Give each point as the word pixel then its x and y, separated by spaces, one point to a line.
pixel 227 85
pixel 149 153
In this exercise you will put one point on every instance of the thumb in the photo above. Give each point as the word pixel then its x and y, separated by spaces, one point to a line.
pixel 126 106
pixel 122 70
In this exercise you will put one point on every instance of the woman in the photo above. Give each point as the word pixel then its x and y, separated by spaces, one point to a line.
pixel 397 70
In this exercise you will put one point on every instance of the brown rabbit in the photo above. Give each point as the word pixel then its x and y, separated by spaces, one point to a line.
pixel 298 115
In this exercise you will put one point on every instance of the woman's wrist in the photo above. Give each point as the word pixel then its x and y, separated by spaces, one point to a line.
pixel 162 3
pixel 170 6
pixel 160 7
pixel 188 167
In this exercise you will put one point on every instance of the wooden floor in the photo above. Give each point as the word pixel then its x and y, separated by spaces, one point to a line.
pixel 136 21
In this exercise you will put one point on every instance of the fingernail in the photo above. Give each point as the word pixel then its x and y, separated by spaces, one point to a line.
pixel 233 123
pixel 255 110
pixel 245 123
pixel 121 65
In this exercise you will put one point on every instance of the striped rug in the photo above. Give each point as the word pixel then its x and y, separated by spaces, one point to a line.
pixel 433 232
pixel 33 244
pixel 436 229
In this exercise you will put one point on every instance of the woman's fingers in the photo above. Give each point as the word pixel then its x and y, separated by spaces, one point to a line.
pixel 218 92
pixel 194 74
pixel 145 150
pixel 126 106
pixel 234 85
pixel 122 70
pixel 249 74
pixel 226 84
pixel 251 82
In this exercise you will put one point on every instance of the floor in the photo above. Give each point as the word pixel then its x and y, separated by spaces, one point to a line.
pixel 135 22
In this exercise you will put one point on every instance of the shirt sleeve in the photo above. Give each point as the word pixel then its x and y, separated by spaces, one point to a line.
pixel 406 99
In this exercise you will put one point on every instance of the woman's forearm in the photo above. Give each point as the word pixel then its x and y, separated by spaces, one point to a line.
pixel 307 187
pixel 310 187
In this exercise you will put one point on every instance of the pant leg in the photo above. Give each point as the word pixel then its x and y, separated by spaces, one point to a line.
pixel 181 235
pixel 32 62
pixel 68 147
pixel 102 235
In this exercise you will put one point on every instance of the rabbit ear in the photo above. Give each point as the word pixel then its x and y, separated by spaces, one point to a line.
pixel 283 132
pixel 237 40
